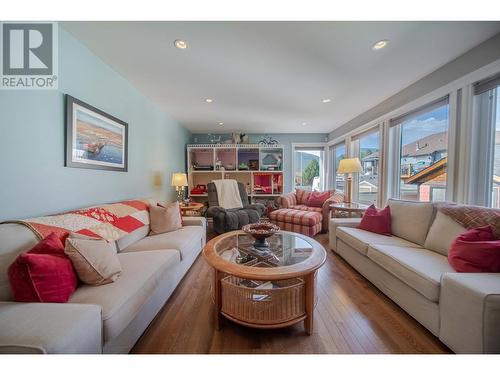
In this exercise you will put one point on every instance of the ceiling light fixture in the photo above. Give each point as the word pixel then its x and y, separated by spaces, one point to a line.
pixel 304 123
pixel 326 100
pixel 379 45
pixel 181 44
pixel 209 100
pixel 221 123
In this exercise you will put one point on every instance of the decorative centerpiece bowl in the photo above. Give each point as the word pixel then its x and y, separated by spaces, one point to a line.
pixel 261 231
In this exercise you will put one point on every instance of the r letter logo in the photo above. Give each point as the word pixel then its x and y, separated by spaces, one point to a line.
pixel 29 55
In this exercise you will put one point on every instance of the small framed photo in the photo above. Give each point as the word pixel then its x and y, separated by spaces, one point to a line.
pixel 94 139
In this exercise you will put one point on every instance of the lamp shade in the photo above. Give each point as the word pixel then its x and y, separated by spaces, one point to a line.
pixel 179 179
pixel 349 166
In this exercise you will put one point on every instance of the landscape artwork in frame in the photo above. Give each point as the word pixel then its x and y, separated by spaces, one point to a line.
pixel 94 139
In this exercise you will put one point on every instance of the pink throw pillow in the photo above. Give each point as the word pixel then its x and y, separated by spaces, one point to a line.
pixel 377 221
pixel 475 251
pixel 317 199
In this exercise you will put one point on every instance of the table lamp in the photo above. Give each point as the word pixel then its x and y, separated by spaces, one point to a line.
pixel 348 166
pixel 179 180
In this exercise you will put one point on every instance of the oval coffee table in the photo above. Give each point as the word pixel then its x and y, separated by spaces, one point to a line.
pixel 269 288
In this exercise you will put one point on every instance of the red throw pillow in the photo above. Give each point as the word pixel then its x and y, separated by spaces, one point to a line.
pixel 475 251
pixel 43 274
pixel 377 221
pixel 317 198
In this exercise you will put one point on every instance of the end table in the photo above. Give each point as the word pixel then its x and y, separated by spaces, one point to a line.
pixel 350 208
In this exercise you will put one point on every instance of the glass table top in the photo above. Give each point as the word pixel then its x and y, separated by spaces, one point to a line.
pixel 285 249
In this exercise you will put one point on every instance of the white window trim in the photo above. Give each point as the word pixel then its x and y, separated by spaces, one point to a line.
pixel 322 168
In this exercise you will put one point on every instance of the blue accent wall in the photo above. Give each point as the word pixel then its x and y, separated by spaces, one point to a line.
pixel 33 179
pixel 284 139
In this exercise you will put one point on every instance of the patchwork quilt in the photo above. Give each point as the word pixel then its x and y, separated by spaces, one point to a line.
pixel 109 222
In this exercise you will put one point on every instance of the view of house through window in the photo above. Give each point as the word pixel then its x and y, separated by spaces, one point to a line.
pixel 368 178
pixel 423 155
pixel 338 152
pixel 308 171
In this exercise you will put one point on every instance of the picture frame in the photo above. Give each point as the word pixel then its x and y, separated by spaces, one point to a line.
pixel 94 138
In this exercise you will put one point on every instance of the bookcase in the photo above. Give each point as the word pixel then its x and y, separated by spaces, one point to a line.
pixel 259 168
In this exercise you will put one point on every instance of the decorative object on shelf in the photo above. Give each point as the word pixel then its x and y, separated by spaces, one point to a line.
pixel 215 139
pixel 268 141
pixel 253 165
pixel 245 139
pixel 236 137
pixel 94 139
pixel 199 189
pixel 243 167
pixel 218 165
pixel 261 231
pixel 349 166
pixel 179 180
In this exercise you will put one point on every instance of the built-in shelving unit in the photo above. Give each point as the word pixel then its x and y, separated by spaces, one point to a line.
pixel 259 168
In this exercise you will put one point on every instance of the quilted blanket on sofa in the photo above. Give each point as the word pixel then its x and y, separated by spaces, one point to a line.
pixel 109 222
pixel 473 216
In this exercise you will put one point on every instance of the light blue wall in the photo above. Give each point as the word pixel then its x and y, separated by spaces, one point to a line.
pixel 33 179
pixel 285 139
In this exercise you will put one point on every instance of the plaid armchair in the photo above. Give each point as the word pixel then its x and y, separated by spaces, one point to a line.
pixel 297 200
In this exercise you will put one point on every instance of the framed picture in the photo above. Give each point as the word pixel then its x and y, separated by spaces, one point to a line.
pixel 94 139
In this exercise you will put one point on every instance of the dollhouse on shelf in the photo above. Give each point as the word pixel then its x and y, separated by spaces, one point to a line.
pixel 259 168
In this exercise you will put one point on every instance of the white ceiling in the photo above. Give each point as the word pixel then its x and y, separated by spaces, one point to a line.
pixel 270 77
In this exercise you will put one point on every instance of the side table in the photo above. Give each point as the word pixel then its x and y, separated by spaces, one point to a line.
pixel 350 208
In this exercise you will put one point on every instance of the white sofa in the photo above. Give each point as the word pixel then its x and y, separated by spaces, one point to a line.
pixel 411 268
pixel 98 319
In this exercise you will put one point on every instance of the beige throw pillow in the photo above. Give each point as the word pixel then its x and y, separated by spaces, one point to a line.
pixel 95 261
pixel 165 218
pixel 444 230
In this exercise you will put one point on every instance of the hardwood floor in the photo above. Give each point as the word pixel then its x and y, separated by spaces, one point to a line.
pixel 351 316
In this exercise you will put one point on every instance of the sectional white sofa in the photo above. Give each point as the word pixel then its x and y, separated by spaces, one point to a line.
pixel 98 319
pixel 411 268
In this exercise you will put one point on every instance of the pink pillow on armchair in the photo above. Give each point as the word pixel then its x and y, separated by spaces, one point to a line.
pixel 317 199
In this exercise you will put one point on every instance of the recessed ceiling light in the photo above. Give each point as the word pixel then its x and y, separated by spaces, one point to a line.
pixel 181 44
pixel 209 100
pixel 221 123
pixel 326 100
pixel 304 123
pixel 379 45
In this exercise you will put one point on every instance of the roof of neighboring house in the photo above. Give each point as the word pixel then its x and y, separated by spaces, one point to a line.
pixel 372 156
pixel 426 145
pixel 429 173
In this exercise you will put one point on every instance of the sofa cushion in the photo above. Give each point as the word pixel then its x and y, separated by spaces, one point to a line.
pixel 130 238
pixel 360 239
pixel 123 299
pixel 442 233
pixel 420 269
pixel 53 328
pixel 185 240
pixel 303 207
pixel 411 220
pixel 302 196
pixel 288 215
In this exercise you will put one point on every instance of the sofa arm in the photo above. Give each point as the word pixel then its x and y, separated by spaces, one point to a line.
pixel 325 209
pixel 67 328
pixel 287 200
pixel 340 222
pixel 469 308
pixel 194 220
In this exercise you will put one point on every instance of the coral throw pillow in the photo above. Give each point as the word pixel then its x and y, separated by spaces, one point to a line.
pixel 377 221
pixel 317 199
pixel 43 274
pixel 475 251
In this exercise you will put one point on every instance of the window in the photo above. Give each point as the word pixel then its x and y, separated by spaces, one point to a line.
pixel 422 150
pixel 367 145
pixel 337 153
pixel 308 167
pixel 486 143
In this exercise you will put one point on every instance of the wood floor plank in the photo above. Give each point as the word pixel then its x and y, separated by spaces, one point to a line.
pixel 351 316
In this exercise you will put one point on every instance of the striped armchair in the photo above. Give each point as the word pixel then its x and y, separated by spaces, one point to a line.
pixel 297 200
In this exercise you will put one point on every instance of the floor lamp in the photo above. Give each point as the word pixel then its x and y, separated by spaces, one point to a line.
pixel 349 166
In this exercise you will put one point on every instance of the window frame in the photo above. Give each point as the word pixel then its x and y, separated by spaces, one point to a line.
pixel 332 162
pixel 322 165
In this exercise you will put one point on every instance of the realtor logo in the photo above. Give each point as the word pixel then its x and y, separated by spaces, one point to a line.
pixel 29 55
